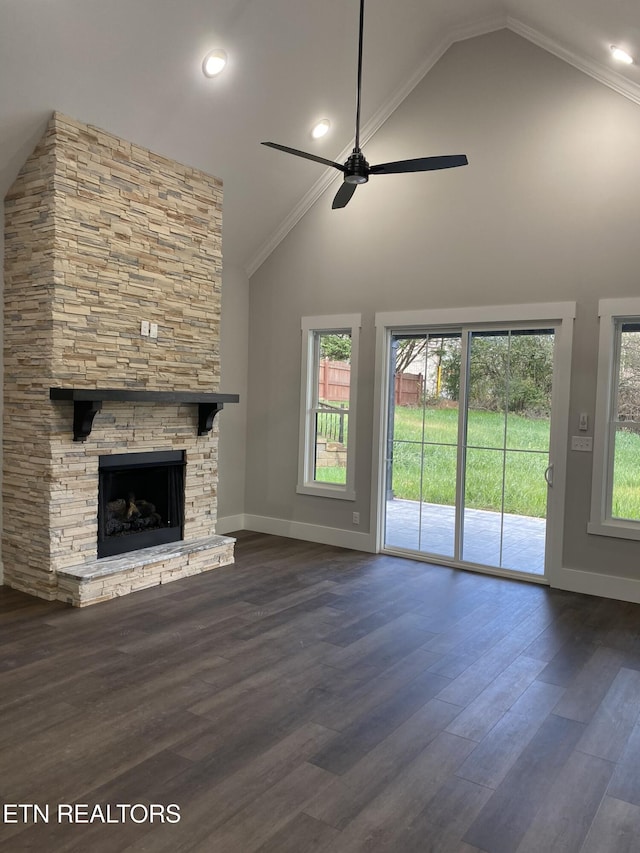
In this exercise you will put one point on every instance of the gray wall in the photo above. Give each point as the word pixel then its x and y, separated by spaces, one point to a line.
pixel 546 211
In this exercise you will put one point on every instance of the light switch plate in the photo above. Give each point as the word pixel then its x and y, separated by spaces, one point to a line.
pixel 582 442
pixel 144 328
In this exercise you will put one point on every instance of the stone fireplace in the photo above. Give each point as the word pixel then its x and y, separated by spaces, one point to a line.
pixel 101 238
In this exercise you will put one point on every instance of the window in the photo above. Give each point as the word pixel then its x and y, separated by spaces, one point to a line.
pixel 615 509
pixel 327 418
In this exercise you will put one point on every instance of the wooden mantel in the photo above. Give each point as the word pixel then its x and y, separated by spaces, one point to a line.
pixel 87 402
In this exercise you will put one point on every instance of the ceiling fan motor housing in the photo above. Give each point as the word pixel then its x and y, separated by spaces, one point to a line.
pixel 356 168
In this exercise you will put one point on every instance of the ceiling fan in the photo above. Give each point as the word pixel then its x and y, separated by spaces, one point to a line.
pixel 356 170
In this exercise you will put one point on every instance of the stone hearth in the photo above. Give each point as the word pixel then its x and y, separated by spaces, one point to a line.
pixel 101 234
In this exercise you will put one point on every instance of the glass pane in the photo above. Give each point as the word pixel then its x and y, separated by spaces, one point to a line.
pixel 628 397
pixel 407 471
pixel 438 500
pixel 525 488
pixel 487 389
pixel 408 423
pixel 334 367
pixel 403 495
pixel 483 507
pixel 424 415
pixel 525 508
pixel 625 497
pixel 330 459
pixel 625 500
pixel 443 372
pixel 409 362
pixel 529 390
pixel 403 524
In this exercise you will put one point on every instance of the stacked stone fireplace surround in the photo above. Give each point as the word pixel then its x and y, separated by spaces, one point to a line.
pixel 99 235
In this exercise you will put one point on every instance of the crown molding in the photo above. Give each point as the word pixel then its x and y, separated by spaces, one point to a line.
pixel 599 72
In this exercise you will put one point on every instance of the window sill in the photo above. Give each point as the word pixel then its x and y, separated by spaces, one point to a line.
pixel 617 529
pixel 327 490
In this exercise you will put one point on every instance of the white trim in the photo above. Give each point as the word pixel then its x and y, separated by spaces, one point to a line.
pixel 330 322
pixel 229 523
pixel 628 306
pixel 310 532
pixel 572 580
pixel 616 528
pixel 602 73
pixel 595 583
pixel 561 314
pixel 327 490
pixel 471 316
pixel 558 446
pixel 478 568
pixel 378 457
pixel 600 522
pixel 306 443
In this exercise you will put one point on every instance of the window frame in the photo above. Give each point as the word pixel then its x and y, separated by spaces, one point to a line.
pixel 311 328
pixel 613 313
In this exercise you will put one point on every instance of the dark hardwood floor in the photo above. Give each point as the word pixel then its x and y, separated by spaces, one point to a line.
pixel 311 698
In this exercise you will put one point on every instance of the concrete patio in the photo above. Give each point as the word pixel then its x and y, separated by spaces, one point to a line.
pixel 429 529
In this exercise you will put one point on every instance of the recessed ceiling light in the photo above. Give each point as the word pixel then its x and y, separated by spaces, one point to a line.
pixel 321 128
pixel 214 62
pixel 621 55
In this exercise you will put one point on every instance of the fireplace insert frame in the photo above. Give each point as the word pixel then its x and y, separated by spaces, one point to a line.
pixel 124 467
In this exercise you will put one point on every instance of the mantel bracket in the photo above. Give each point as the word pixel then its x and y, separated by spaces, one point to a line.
pixel 206 416
pixel 84 411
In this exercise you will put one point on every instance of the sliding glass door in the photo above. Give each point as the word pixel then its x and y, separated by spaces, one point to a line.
pixel 468 445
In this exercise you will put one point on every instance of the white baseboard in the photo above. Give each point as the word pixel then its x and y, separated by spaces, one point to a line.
pixel 572 580
pixel 298 530
pixel 229 523
pixel 594 583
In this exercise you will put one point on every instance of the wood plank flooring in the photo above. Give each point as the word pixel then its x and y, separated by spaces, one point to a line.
pixel 314 699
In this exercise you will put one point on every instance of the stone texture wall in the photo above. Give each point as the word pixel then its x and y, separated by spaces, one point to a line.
pixel 99 235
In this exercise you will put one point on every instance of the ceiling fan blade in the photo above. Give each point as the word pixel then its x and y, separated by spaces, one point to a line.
pixel 421 164
pixel 343 196
pixel 304 154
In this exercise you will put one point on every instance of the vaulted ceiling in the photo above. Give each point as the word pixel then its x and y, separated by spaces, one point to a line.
pixel 133 67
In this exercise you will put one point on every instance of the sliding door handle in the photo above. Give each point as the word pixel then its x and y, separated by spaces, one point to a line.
pixel 548 475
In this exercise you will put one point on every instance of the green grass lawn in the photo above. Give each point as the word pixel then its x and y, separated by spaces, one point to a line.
pixel 428 471
pixel 626 476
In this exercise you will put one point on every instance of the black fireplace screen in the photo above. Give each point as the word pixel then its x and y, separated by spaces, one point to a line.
pixel 140 500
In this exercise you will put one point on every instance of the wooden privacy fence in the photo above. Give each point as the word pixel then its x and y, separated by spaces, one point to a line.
pixel 333 381
pixel 334 377
pixel 409 388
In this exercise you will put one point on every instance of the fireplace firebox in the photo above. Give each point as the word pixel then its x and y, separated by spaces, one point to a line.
pixel 140 500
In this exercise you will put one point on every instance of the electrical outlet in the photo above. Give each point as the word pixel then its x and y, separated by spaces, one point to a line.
pixel 153 330
pixel 144 328
pixel 356 518
pixel 582 442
